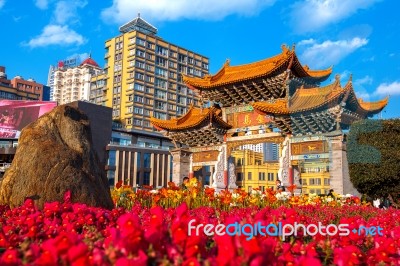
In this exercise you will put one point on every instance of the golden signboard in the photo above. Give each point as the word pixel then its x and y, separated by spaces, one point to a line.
pixel 247 119
pixel 205 156
pixel 309 147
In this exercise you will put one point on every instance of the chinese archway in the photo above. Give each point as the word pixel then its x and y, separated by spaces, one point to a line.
pixel 275 93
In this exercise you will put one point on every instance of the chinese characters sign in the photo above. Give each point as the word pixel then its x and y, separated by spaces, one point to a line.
pixel 250 119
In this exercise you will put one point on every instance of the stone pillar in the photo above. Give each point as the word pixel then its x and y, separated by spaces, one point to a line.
pixel 339 168
pixel 284 163
pixel 232 175
pixel 191 172
pixel 219 174
pixel 180 165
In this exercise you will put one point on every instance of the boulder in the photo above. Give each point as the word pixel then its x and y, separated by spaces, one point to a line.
pixel 55 155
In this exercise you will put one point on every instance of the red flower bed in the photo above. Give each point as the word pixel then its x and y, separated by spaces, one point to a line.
pixel 74 234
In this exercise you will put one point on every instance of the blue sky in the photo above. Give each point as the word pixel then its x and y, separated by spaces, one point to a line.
pixel 358 37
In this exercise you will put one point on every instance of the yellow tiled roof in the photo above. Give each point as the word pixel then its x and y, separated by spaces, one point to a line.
pixel 313 98
pixel 193 118
pixel 231 74
pixel 373 106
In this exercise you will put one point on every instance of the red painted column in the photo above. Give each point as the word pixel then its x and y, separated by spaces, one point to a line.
pixel 291 181
pixel 191 174
pixel 226 178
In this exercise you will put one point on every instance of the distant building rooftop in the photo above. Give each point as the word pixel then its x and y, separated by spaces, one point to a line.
pixel 138 24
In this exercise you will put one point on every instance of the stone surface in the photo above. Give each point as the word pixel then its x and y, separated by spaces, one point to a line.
pixel 55 155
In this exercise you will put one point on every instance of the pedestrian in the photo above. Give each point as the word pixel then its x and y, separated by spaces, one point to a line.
pixel 279 186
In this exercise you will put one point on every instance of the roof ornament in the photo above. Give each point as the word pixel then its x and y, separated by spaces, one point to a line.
pixel 351 78
pixel 293 47
pixel 138 15
pixel 227 62
pixel 337 78
pixel 284 48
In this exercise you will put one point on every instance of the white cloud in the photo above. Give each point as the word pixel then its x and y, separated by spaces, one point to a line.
pixel 42 4
pixel 313 15
pixel 67 10
pixel 123 11
pixel 329 52
pixel 385 89
pixel 2 2
pixel 56 35
pixel 367 80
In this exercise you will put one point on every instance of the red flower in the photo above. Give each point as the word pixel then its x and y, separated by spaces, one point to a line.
pixel 10 258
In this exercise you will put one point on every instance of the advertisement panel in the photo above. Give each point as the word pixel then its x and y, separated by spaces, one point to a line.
pixel 15 115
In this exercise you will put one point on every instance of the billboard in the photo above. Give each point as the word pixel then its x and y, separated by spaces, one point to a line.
pixel 15 115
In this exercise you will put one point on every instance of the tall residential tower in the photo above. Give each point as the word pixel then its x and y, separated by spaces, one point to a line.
pixel 143 76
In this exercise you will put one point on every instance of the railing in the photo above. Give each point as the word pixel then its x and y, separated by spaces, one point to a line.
pixel 141 145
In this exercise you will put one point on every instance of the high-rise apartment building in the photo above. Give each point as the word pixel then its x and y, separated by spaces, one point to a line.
pixel 73 83
pixel 143 76
pixel 270 151
pixel 67 63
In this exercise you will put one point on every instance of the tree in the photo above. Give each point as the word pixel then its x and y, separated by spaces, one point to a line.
pixel 373 152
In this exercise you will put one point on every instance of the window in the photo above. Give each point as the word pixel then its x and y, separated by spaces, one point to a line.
pixel 318 191
pixel 159 105
pixel 160 94
pixel 161 72
pixel 171 64
pixel 304 182
pixel 182 58
pixel 148 78
pixel 139 75
pixel 146 178
pixel 326 181
pixel 270 176
pixel 138 99
pixel 239 177
pixel 140 53
pixel 140 42
pixel 129 121
pixel 117 78
pixel 161 50
pixel 150 45
pixel 116 101
pixel 139 87
pixel 160 83
pixel 146 160
pixel 205 65
pixel 137 122
pixel 161 61
pixel 249 175
pixel 160 115
pixel 261 176
pixel 250 188
pixel 111 158
pixel 140 64
pixel 312 182
pixel 182 100
pixel 117 89
pixel 317 181
pixel 138 110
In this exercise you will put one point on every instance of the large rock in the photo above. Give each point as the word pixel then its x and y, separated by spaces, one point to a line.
pixel 55 155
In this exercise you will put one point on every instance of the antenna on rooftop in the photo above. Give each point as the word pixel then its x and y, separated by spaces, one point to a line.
pixel 138 15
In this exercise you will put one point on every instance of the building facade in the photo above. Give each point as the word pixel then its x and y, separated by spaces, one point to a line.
pixel 67 63
pixel 20 89
pixel 73 83
pixel 139 158
pixel 252 172
pixel 143 76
